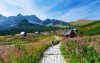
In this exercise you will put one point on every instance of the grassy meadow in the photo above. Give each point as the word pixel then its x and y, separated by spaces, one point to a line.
pixel 81 22
pixel 28 49
pixel 85 48
pixel 30 38
pixel 82 50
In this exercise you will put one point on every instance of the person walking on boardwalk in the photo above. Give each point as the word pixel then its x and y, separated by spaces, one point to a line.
pixel 52 42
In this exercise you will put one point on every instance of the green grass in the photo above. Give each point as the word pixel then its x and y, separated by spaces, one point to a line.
pixel 27 49
pixel 26 53
pixel 86 50
pixel 90 29
pixel 30 38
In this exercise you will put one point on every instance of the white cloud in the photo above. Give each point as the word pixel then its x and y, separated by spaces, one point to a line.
pixel 74 14
pixel 25 7
pixel 30 7
pixel 13 7
pixel 90 11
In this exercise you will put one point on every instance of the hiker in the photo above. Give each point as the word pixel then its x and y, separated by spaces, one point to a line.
pixel 52 42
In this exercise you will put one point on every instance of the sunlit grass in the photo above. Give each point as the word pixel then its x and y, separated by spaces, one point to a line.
pixel 25 53
pixel 30 38
pixel 86 50
pixel 28 49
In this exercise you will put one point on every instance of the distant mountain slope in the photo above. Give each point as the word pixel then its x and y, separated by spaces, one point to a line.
pixel 81 22
pixel 25 25
pixel 7 22
pixel 13 20
pixel 91 25
pixel 33 19
pixel 55 23
pixel 46 22
pixel 90 29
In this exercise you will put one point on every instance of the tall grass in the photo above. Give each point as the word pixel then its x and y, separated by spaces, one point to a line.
pixel 26 53
pixel 27 49
pixel 86 50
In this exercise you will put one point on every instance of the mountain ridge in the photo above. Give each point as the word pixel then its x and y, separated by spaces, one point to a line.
pixel 81 22
pixel 55 23
pixel 26 26
pixel 8 22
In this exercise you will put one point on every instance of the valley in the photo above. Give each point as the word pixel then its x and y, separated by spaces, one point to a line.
pixel 28 42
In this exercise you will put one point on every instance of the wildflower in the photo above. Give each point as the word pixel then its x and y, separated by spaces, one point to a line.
pixel 77 51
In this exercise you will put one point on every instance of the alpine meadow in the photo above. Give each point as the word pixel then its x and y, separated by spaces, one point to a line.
pixel 49 31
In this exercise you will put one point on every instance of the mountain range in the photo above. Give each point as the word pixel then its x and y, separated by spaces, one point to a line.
pixel 8 22
pixel 28 27
pixel 55 23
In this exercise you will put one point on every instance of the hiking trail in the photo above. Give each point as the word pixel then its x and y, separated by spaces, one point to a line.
pixel 53 55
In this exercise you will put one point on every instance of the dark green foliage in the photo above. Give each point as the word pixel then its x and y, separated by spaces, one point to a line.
pixel 91 32
pixel 28 27
pixel 90 39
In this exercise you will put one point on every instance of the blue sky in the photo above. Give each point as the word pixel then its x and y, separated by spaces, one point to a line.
pixel 66 10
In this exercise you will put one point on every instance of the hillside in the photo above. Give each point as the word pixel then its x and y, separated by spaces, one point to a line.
pixel 25 25
pixel 81 22
pixel 90 29
pixel 55 23
pixel 10 21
